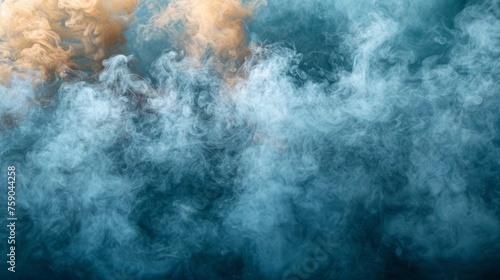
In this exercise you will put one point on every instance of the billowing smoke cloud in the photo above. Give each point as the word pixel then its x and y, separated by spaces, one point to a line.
pixel 361 141
pixel 49 36
pixel 209 29
pixel 42 41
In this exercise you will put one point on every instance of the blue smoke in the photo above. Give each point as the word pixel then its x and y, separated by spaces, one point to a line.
pixel 363 143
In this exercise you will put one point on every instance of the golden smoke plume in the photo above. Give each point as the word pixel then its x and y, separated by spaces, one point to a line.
pixel 203 27
pixel 41 37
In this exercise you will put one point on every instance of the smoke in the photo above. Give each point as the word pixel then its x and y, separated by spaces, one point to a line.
pixel 209 29
pixel 50 36
pixel 310 140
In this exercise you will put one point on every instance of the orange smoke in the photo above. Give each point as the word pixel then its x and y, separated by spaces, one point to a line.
pixel 204 27
pixel 48 36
